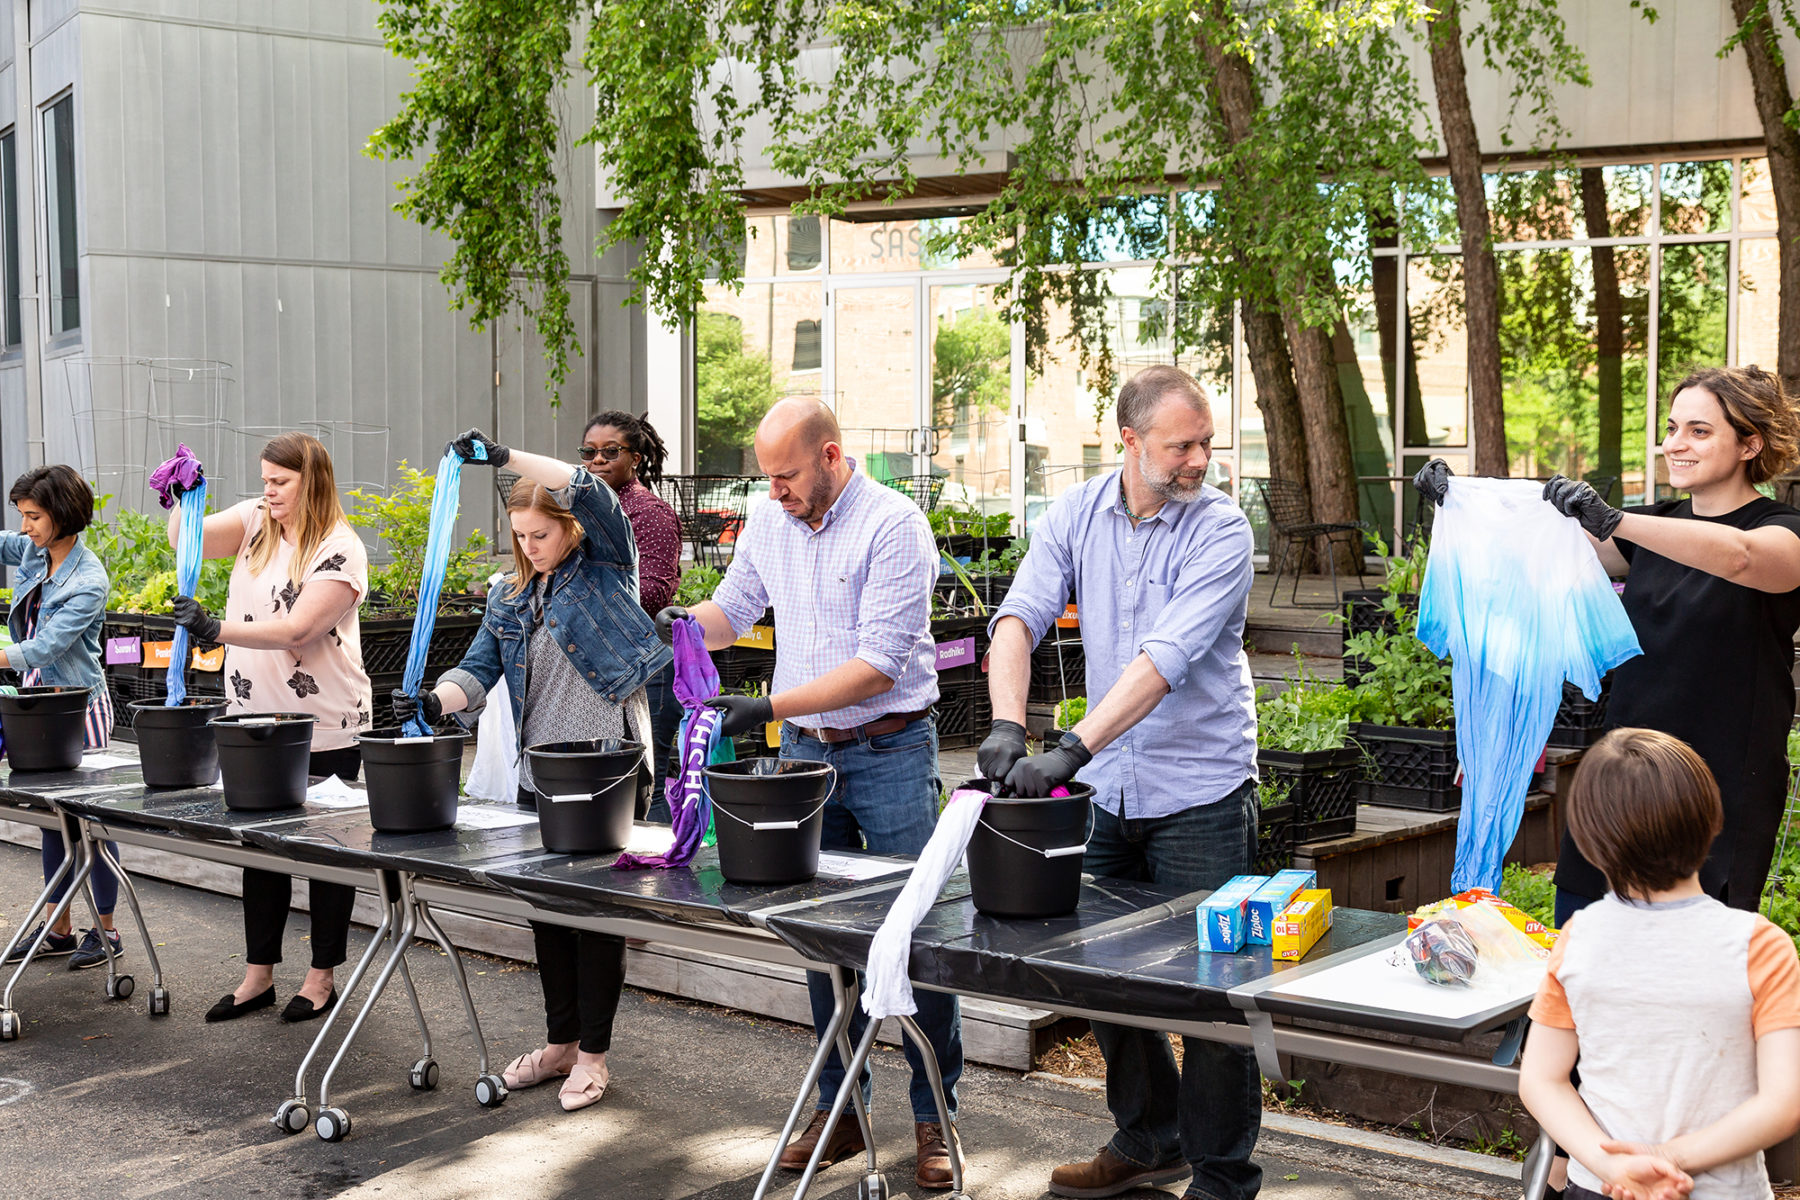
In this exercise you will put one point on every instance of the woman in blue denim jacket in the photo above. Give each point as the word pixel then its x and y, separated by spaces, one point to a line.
pixel 59 605
pixel 576 648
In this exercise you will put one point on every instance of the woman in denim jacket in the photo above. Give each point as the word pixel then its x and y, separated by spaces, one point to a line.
pixel 59 605
pixel 576 648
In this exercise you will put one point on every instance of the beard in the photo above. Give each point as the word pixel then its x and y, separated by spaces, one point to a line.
pixel 818 497
pixel 1170 485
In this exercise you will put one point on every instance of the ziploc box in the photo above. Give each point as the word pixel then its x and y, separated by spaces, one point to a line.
pixel 1302 924
pixel 1266 905
pixel 1221 915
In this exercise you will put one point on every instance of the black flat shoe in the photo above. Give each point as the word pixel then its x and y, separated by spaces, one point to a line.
pixel 301 1009
pixel 228 1009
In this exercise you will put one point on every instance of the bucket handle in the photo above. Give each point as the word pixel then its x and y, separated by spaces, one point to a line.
pixel 768 826
pixel 572 797
pixel 1055 852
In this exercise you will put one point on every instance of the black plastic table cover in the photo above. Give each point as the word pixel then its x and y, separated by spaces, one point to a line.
pixel 1129 948
pixel 346 839
pixel 588 886
pixel 34 789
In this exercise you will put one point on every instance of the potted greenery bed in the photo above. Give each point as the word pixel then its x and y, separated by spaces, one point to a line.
pixel 1405 719
pixel 1275 830
pixel 739 667
pixel 1302 749
pixel 1580 721
pixel 1378 610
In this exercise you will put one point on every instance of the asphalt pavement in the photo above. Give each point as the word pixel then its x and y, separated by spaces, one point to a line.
pixel 98 1099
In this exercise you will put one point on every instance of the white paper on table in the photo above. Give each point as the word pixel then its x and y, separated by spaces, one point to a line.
pixel 485 816
pixel 844 866
pixel 1370 981
pixel 102 762
pixel 333 792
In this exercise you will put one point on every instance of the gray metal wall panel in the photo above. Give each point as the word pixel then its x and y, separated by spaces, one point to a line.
pixel 258 181
pixel 297 336
pixel 330 354
pixel 370 191
pixel 292 94
pixel 407 240
pixel 332 145
pixel 47 14
pixel 417 361
pixel 135 95
pixel 145 287
pixel 109 308
pixel 9 90
pixel 184 283
pixel 15 449
pixel 182 141
pixel 365 363
pixel 220 136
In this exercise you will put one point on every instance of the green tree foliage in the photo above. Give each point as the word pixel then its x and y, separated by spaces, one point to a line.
pixel 402 518
pixel 970 367
pixel 733 389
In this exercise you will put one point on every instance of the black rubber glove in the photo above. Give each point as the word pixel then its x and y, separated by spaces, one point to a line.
pixel 190 616
pixel 1005 745
pixel 1573 498
pixel 477 447
pixel 742 713
pixel 665 623
pixel 1433 480
pixel 407 707
pixel 1037 775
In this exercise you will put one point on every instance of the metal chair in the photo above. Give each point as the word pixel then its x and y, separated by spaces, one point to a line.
pixel 1291 522
pixel 924 490
pixel 711 510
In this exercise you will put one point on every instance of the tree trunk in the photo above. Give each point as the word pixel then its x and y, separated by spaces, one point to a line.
pixel 1394 330
pixel 1773 101
pixel 1481 278
pixel 1331 478
pixel 1276 397
pixel 1609 327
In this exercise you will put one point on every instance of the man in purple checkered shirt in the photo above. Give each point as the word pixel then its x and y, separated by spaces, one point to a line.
pixel 849 567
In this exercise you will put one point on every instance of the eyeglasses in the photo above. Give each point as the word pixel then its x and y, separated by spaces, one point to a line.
pixel 604 453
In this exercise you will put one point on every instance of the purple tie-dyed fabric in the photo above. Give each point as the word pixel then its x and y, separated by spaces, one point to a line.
pixel 690 807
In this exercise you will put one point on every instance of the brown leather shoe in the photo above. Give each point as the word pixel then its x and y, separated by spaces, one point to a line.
pixel 846 1139
pixel 933 1171
pixel 1108 1175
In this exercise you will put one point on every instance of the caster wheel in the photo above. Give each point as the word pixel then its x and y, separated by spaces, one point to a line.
pixel 424 1075
pixel 331 1124
pixel 159 1002
pixel 490 1092
pixel 872 1187
pixel 120 988
pixel 292 1116
pixel 9 1026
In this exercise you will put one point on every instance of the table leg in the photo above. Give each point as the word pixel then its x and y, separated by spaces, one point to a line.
pixel 158 991
pixel 76 867
pixel 832 1036
pixel 1537 1166
pixel 852 1072
pixel 933 1073
pixel 490 1089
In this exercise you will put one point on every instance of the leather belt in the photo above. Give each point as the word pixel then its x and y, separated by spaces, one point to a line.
pixel 892 723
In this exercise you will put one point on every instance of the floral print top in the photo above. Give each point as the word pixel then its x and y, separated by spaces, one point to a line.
pixel 326 678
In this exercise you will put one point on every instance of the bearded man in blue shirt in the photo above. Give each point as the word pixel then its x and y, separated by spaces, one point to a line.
pixel 1160 566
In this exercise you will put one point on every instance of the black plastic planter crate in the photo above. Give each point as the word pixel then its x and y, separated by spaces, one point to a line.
pixel 1322 786
pixel 1058 667
pixel 1363 613
pixel 1408 768
pixel 1580 721
pixel 385 641
pixel 740 665
pixel 1274 839
pixel 964 712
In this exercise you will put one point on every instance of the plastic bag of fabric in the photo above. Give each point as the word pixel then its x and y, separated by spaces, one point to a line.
pixel 1516 598
pixel 495 775
pixel 699 746
pixel 1473 947
pixel 445 498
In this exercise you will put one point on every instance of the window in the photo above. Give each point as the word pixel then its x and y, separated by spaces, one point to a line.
pixel 59 194
pixel 9 237
pixel 807 353
pixel 803 243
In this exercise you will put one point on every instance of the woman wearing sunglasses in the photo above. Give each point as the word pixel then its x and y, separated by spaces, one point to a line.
pixel 625 451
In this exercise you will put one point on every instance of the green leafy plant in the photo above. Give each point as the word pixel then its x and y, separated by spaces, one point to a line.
pixel 1272 791
pixel 1003 562
pixel 403 520
pixel 1311 714
pixel 1071 712
pixel 1400 681
pixel 140 563
pixel 1530 891
pixel 1405 572
pixel 697 583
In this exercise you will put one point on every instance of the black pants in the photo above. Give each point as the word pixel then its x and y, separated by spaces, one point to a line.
pixel 582 975
pixel 268 895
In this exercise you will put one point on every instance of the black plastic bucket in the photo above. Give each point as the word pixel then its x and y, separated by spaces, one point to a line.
pixel 1025 855
pixel 45 728
pixel 413 781
pixel 176 747
pixel 263 759
pixel 586 793
pixel 769 814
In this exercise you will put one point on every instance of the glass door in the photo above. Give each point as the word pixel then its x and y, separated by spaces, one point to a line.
pixel 875 384
pixel 968 435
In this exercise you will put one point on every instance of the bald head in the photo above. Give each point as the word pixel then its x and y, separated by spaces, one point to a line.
pixel 798 425
pixel 799 447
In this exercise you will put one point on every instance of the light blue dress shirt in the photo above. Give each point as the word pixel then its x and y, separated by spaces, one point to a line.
pixel 1175 588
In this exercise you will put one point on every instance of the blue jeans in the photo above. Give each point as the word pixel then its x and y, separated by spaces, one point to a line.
pixel 106 884
pixel 665 721
pixel 1211 1112
pixel 885 802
